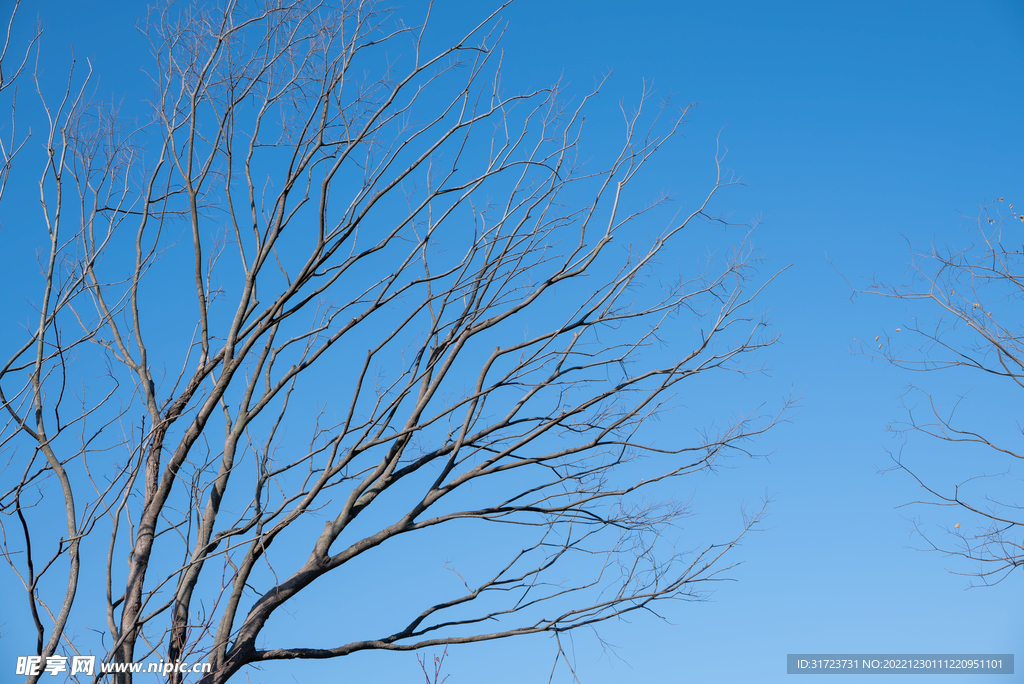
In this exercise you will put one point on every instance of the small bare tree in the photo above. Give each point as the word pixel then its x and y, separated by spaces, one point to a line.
pixel 330 292
pixel 966 317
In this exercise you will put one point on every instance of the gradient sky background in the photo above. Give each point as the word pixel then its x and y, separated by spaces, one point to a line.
pixel 857 128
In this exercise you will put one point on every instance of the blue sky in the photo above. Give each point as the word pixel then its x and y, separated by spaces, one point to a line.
pixel 857 129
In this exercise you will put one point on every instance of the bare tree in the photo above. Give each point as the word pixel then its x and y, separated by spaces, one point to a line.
pixel 965 317
pixel 331 291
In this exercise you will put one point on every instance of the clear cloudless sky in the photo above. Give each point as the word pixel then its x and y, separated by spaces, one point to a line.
pixel 859 128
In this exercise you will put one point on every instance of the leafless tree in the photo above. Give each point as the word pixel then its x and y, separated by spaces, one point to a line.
pixel 332 290
pixel 966 318
pixel 438 663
